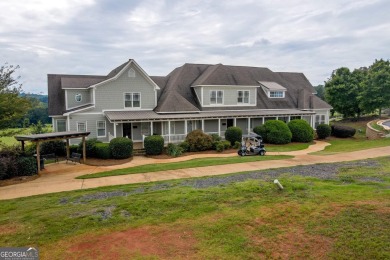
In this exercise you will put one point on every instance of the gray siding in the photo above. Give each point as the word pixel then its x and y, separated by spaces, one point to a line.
pixel 211 125
pixel 230 95
pixel 111 94
pixel 256 122
pixel 90 120
pixel 243 124
pixel 86 97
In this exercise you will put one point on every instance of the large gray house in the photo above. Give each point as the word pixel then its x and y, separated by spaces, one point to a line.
pixel 128 102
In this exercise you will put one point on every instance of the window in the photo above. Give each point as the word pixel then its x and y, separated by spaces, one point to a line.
pixel 78 97
pixel 132 99
pixel 101 128
pixel 81 127
pixel 320 119
pixel 131 73
pixel 61 125
pixel 243 97
pixel 216 97
pixel 276 94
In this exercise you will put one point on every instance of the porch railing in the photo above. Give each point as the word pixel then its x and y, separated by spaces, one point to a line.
pixel 172 139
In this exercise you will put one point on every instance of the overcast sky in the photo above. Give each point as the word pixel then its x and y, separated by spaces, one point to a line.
pixel 94 36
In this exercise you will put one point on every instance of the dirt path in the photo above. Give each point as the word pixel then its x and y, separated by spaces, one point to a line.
pixel 61 176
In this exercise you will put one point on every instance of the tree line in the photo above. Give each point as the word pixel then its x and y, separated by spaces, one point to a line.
pixel 361 91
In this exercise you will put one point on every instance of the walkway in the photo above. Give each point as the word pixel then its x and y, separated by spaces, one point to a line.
pixel 61 177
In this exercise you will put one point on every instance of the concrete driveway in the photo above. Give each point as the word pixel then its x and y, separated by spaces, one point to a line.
pixel 59 177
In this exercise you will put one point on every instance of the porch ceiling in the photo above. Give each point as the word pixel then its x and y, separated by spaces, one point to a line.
pixel 125 116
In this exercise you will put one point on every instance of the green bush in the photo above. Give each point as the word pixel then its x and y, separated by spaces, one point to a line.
pixel 343 131
pixel 277 132
pixel 226 144
pixel 233 134
pixel 237 145
pixel 90 147
pixel 215 137
pixel 174 150
pixel 219 147
pixel 301 131
pixel 199 141
pixel 3 168
pixel 154 144
pixel 102 151
pixel 323 131
pixel 26 166
pixel 56 147
pixel 73 148
pixel 185 146
pixel 260 130
pixel 121 148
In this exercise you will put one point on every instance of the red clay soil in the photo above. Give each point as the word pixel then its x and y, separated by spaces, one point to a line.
pixel 164 243
pixel 17 180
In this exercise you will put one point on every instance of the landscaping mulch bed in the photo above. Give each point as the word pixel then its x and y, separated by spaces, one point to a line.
pixel 17 180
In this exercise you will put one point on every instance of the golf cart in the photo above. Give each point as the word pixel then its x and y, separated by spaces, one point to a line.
pixel 252 145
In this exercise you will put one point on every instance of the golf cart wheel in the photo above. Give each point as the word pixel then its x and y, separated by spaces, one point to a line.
pixel 262 153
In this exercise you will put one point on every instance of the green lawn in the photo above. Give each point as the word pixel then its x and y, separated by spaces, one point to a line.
pixel 202 162
pixel 286 147
pixel 343 218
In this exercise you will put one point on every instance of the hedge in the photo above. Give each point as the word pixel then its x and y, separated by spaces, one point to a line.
pixel 233 134
pixel 301 131
pixel 56 147
pixel 90 147
pixel 343 131
pixel 323 131
pixel 27 166
pixel 102 151
pixel 199 141
pixel 154 144
pixel 121 148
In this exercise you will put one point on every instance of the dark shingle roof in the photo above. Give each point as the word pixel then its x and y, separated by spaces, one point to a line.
pixel 80 81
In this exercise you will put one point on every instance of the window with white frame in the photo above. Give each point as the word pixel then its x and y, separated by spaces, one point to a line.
pixel 276 94
pixel 61 125
pixel 81 126
pixel 101 128
pixel 216 97
pixel 133 100
pixel 78 97
pixel 243 97
pixel 320 119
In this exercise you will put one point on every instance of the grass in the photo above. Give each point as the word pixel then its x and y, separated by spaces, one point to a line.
pixel 287 147
pixel 7 135
pixel 310 218
pixel 202 162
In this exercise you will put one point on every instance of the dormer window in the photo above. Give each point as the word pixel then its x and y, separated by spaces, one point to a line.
pixel 78 97
pixel 273 89
pixel 276 94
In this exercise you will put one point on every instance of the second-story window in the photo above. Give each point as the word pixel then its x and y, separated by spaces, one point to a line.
pixel 78 97
pixel 81 126
pixel 243 97
pixel 216 97
pixel 133 100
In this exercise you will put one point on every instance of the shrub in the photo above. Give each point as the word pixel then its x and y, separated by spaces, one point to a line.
pixel 301 131
pixel 215 137
pixel 226 144
pixel 323 131
pixel 185 146
pixel 73 148
pixel 260 130
pixel 237 145
pixel 174 150
pixel 343 131
pixel 90 147
pixel 57 147
pixel 121 148
pixel 233 134
pixel 26 166
pixel 277 132
pixel 102 151
pixel 219 147
pixel 199 141
pixel 154 144
pixel 3 168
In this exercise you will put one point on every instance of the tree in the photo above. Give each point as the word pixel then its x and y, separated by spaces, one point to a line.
pixel 320 91
pixel 12 106
pixel 343 89
pixel 376 93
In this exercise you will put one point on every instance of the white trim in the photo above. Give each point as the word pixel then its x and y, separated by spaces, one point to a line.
pixel 127 109
pixel 56 116
pixel 216 98
pixel 66 99
pixel 224 86
pixel 243 97
pixel 237 105
pixel 132 101
pixel 75 111
pixel 92 113
pixel 202 94
pixel 81 105
pixel 94 95
pixel 68 121
pixel 56 125
pixel 97 128
pixel 279 91
pixel 77 125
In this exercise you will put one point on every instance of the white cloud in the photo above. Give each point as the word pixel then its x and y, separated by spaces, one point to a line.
pixel 93 37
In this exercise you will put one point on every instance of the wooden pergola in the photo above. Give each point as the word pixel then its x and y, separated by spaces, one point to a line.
pixel 40 138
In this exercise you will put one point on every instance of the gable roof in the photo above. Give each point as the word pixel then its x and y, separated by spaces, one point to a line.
pixel 80 81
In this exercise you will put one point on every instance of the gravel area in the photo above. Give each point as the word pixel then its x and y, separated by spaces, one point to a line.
pixel 322 171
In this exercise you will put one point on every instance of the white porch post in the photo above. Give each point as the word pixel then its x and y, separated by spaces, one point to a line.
pixel 288 119
pixel 185 127
pixel 115 124
pixel 219 126
pixel 277 118
pixel 169 131
pixel 235 122
pixel 263 120
pixel 151 127
pixel 203 125
pixel 312 121
pixel 249 125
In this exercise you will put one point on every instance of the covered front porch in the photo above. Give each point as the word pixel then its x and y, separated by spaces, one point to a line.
pixel 175 129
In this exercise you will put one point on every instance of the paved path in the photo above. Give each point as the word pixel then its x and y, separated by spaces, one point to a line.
pixel 61 176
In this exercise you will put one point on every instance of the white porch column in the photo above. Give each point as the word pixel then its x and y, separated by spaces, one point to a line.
pixel 235 122
pixel 185 127
pixel 277 118
pixel 219 126
pixel 288 119
pixel 115 124
pixel 249 125
pixel 263 120
pixel 203 125
pixel 312 121
pixel 169 131
pixel 151 127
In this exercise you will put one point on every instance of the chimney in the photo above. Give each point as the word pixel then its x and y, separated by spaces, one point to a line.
pixel 301 99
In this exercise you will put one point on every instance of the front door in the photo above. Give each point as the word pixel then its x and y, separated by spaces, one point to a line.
pixel 229 122
pixel 127 130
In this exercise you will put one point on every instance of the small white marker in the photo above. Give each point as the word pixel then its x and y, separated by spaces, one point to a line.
pixel 278 184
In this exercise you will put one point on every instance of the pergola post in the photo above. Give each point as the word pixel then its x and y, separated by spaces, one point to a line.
pixel 38 157
pixel 84 152
pixel 67 149
pixel 22 146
